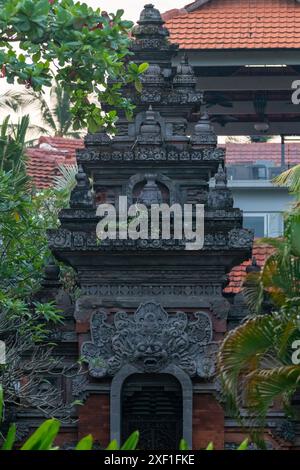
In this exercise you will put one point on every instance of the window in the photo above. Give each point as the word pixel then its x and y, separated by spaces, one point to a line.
pixel 264 224
pixel 256 223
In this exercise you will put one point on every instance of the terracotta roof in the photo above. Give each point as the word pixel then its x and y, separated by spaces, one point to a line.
pixel 252 152
pixel 237 24
pixel 43 160
pixel 237 275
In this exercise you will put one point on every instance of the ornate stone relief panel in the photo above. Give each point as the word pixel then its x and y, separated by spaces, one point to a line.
pixel 150 340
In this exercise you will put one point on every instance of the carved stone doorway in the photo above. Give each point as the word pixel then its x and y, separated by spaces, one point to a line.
pixel 153 405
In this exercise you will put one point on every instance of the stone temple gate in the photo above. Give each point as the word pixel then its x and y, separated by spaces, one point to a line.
pixel 150 313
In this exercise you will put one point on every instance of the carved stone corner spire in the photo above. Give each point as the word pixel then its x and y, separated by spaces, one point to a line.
pixel 51 274
pixel 153 76
pixel 50 284
pixel 253 267
pixel 220 197
pixel 150 23
pixel 185 76
pixel 150 34
pixel 81 196
pixel 221 177
pixel 150 130
pixel 204 133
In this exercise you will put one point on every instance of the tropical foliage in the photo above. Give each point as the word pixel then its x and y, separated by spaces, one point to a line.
pixel 56 116
pixel 25 323
pixel 258 362
pixel 86 47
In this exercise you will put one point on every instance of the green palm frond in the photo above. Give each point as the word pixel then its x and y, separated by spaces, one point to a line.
pixel 290 179
pixel 242 349
pixel 253 292
pixel 61 110
pixel 266 385
pixel 12 144
pixel 13 100
pixel 255 363
pixel 66 181
pixel 47 116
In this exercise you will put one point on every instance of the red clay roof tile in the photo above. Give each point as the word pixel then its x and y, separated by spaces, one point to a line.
pixel 249 153
pixel 261 252
pixel 43 161
pixel 237 24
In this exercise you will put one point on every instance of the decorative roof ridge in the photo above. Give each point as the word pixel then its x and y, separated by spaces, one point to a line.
pixel 173 13
pixel 195 5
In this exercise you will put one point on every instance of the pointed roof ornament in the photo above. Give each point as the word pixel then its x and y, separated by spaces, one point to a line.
pixel 151 34
pixel 150 24
pixel 204 133
pixel 150 15
pixel 51 270
pixel 253 267
pixel 81 195
pixel 185 76
pixel 221 178
pixel 150 130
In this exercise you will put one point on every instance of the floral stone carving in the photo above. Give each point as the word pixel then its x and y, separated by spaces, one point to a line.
pixel 151 339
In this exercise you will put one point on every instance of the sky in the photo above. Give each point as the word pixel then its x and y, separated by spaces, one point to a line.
pixel 132 8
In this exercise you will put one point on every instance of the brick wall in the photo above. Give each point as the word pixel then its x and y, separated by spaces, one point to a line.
pixel 208 422
pixel 94 418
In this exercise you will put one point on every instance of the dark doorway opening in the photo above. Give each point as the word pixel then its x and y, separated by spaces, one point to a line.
pixel 152 404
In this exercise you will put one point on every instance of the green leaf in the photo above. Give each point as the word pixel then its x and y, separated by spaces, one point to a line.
pixel 143 67
pixel 36 57
pixel 86 443
pixel 243 445
pixel 210 446
pixel 10 438
pixel 43 437
pixel 138 86
pixel 131 442
pixel 183 445
pixel 113 445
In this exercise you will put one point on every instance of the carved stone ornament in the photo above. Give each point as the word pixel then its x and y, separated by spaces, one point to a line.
pixel 150 340
pixel 240 237
pixel 81 195
pixel 220 197
pixel 151 153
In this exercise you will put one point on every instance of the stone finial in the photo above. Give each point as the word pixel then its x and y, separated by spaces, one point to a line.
pixel 150 15
pixel 204 133
pixel 51 270
pixel 253 267
pixel 150 30
pixel 152 76
pixel 150 24
pixel 221 177
pixel 150 193
pixel 185 76
pixel 220 197
pixel 150 124
pixel 150 130
pixel 81 196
